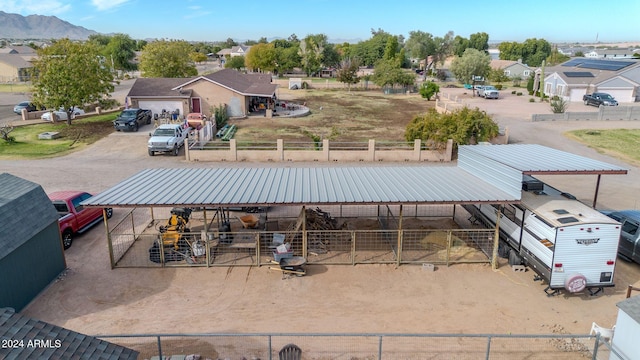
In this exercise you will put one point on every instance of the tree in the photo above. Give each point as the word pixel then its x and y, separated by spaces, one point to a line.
pixel 262 57
pixel 388 73
pixel 497 75
pixel 579 54
pixel 472 62
pixel 459 45
pixel 70 74
pixel 235 62
pixel 230 43
pixel 120 52
pixel 443 48
pixel 311 52
pixel 420 46
pixel 369 52
pixel 464 126
pixel 428 89
pixel 348 72
pixel 167 58
pixel 556 58
pixel 532 52
pixel 479 41
pixel 197 57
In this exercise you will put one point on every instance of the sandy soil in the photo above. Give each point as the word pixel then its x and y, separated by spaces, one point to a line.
pixel 91 298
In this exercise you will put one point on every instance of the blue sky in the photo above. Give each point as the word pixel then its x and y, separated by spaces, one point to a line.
pixel 345 20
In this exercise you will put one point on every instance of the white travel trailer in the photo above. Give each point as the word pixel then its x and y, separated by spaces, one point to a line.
pixel 568 244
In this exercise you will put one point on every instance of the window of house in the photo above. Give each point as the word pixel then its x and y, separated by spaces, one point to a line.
pixel 526 73
pixel 560 90
pixel 507 72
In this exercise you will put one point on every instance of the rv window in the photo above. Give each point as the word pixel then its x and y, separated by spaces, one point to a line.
pixel 630 228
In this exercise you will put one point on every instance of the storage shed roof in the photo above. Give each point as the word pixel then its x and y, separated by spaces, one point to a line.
pixel 19 200
pixel 296 186
pixel 56 342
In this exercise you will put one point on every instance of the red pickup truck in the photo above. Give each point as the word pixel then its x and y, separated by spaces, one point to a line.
pixel 74 218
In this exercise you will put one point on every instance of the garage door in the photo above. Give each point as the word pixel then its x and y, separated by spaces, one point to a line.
pixel 157 106
pixel 576 95
pixel 622 95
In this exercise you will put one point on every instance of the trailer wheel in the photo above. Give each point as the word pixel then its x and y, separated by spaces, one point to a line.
pixel 575 283
pixel 514 258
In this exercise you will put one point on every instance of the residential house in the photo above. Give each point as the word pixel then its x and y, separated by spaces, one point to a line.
pixel 579 76
pixel 14 68
pixel 512 69
pixel 611 53
pixel 201 94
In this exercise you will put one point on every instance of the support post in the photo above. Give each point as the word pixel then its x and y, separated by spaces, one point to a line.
pixel 496 240
pixel 595 196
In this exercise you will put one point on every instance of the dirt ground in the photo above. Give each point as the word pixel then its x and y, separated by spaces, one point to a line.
pixel 94 299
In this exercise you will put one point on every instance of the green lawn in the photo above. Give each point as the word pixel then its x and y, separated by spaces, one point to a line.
pixel 82 133
pixel 623 144
pixel 4 88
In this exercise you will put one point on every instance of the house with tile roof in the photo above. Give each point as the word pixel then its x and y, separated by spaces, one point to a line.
pixel 29 338
pixel 579 76
pixel 201 94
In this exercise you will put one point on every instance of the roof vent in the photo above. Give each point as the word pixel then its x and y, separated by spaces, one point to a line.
pixel 532 185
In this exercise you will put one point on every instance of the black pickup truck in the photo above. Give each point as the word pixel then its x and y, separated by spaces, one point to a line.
pixel 132 119
pixel 599 98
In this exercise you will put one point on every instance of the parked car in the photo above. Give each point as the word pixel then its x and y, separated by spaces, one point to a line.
pixel 132 119
pixel 25 105
pixel 167 138
pixel 629 246
pixel 598 99
pixel 75 218
pixel 61 114
pixel 488 92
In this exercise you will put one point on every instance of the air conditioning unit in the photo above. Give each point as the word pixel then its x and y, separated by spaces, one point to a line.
pixel 532 185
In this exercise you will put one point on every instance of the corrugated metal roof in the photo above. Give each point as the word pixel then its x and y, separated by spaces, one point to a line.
pixel 296 186
pixel 631 306
pixel 534 159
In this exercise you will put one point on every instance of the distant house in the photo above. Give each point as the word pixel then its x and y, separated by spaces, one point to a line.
pixel 14 68
pixel 579 76
pixel 512 69
pixel 201 94
pixel 240 50
pixel 31 254
pixel 41 340
pixel 611 53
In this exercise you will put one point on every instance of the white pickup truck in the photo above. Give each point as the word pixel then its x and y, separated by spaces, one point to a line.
pixel 167 138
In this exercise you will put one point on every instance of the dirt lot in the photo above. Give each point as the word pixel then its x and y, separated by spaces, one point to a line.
pixel 93 299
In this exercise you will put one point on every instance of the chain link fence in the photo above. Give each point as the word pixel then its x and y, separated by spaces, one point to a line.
pixel 368 346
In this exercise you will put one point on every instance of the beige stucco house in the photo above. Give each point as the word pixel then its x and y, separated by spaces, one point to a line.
pixel 241 93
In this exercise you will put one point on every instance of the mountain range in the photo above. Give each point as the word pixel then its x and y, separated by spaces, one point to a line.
pixel 16 26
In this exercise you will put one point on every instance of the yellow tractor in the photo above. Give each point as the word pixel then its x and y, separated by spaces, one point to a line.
pixel 173 231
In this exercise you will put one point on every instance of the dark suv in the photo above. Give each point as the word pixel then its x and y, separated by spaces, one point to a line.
pixel 132 119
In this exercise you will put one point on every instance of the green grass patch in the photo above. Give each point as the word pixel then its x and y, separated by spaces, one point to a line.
pixel 10 88
pixel 623 144
pixel 73 137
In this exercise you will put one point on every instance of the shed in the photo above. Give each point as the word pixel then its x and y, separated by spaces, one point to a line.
pixel 35 339
pixel 627 330
pixel 31 253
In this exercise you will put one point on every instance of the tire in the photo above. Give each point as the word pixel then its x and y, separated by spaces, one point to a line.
pixel 175 151
pixel 503 250
pixel 514 258
pixel 575 283
pixel 67 239
pixel 109 212
pixel 151 153
pixel 586 102
pixel 135 127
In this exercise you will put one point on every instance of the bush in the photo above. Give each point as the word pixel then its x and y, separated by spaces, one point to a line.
pixel 531 92
pixel 532 100
pixel 559 105
pixel 499 87
pixel 428 89
pixel 513 92
pixel 519 93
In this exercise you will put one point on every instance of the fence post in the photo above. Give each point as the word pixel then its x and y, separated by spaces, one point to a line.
pixel 417 144
pixel 186 149
pixel 233 147
pixel 159 348
pixel 380 347
pixel 600 112
pixel 325 149
pixel 280 148
pixel 372 150
pixel 488 347
pixel 270 349
pixel 596 346
pixel 449 151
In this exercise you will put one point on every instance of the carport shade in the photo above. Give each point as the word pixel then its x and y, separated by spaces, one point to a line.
pixel 299 186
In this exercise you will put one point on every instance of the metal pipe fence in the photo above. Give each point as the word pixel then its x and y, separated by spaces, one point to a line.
pixel 368 346
pixel 366 235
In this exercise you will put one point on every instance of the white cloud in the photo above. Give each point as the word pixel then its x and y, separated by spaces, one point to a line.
pixel 31 7
pixel 107 4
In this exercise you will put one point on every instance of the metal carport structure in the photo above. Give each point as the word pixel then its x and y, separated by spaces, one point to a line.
pixel 484 174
